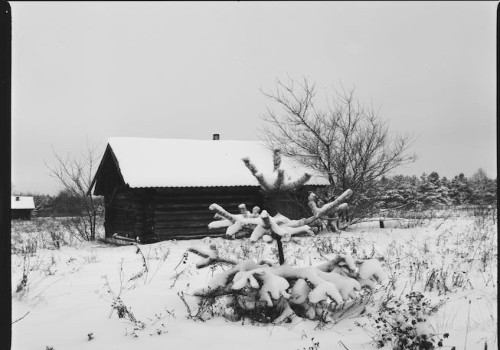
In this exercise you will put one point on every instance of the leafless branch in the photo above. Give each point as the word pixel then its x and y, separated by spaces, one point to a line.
pixel 20 318
pixel 75 175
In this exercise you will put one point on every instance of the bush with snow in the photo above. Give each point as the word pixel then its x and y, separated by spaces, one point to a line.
pixel 403 323
pixel 282 292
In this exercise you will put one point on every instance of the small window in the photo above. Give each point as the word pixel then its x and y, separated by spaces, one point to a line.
pixel 17 199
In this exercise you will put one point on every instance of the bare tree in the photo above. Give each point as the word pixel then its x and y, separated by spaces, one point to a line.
pixel 75 175
pixel 345 141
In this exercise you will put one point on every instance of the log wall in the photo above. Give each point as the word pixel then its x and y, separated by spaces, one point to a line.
pixel 182 213
pixel 24 214
pixel 174 213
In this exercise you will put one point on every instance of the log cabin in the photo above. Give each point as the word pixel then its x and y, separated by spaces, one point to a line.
pixel 21 207
pixel 160 189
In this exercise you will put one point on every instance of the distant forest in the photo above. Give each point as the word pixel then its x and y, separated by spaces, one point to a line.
pixel 430 190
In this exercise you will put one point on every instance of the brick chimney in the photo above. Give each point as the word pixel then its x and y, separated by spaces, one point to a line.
pixel 216 136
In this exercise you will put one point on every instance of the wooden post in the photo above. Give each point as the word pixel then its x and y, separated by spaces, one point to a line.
pixel 281 256
pixel 280 250
pixel 381 222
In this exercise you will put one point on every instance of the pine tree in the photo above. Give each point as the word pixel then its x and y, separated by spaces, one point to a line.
pixel 483 188
pixel 431 192
pixel 460 190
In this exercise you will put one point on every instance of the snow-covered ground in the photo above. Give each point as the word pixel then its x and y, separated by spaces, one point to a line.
pixel 66 303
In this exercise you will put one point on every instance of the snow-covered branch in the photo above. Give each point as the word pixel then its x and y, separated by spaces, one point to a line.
pixel 258 225
pixel 329 207
pixel 277 181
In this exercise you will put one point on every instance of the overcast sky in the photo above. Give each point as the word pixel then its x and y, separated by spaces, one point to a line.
pixel 187 70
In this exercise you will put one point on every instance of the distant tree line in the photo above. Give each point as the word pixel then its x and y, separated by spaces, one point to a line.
pixel 430 190
pixel 63 204
pixel 411 192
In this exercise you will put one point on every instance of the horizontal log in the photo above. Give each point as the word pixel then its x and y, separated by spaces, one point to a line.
pixel 191 236
pixel 192 194
pixel 183 212
pixel 115 208
pixel 182 223
pixel 174 225
pixel 122 224
pixel 183 200
pixel 185 224
pixel 200 205
pixel 122 197
pixel 186 207
pixel 126 223
pixel 120 202
pixel 123 213
pixel 182 231
pixel 127 220
pixel 196 191
pixel 184 218
pixel 170 234
pixel 183 215
pixel 202 224
pixel 128 214
pixel 166 212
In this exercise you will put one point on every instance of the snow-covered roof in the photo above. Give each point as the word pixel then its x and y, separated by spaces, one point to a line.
pixel 22 202
pixel 150 162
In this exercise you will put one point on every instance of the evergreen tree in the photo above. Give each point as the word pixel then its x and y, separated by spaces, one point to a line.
pixel 431 192
pixel 483 188
pixel 460 190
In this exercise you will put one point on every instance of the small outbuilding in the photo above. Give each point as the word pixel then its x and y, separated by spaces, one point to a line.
pixel 21 207
pixel 159 189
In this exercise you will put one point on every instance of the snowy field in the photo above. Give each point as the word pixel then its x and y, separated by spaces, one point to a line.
pixel 65 299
